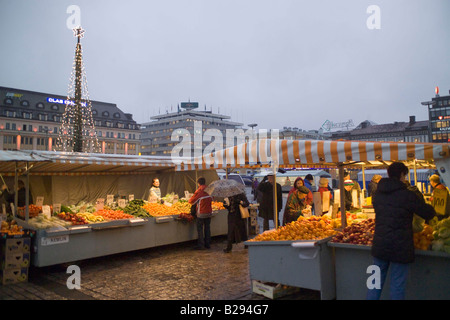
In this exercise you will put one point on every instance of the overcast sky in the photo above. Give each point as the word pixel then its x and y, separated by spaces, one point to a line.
pixel 277 63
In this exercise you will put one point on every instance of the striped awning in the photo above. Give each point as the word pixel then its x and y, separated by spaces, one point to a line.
pixel 72 164
pixel 317 154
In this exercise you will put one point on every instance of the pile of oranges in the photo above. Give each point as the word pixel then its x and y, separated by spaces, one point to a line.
pixel 423 239
pixel 157 209
pixel 311 228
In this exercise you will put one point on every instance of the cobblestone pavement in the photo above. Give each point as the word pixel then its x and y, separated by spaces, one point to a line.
pixel 174 272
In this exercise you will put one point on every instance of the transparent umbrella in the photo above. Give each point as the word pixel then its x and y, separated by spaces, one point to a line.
pixel 224 188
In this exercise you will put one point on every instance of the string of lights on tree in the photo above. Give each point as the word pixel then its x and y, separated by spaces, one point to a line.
pixel 77 131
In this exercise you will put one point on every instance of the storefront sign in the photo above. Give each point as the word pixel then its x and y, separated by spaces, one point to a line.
pixel 63 101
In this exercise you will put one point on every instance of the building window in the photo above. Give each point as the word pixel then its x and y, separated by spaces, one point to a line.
pixel 55 107
pixel 8 101
pixel 94 112
pixel 27 115
pixel 116 115
pixel 105 114
pixel 43 117
pixel 40 105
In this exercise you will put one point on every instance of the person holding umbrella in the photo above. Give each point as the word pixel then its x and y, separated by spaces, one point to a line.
pixel 237 226
pixel 234 194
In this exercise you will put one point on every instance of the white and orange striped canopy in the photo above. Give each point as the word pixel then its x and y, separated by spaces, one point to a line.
pixel 316 154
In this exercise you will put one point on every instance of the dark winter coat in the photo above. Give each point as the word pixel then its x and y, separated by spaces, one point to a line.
pixel 237 231
pixel 394 207
pixel 266 205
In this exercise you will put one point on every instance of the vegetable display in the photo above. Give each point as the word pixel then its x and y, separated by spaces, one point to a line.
pixel 441 236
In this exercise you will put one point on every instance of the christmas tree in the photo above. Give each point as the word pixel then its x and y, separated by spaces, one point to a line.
pixel 77 131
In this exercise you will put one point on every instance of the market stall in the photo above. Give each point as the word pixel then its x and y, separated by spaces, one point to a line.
pixel 98 190
pixel 283 252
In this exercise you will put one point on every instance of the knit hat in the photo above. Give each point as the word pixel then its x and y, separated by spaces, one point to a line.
pixel 348 183
pixel 303 189
pixel 435 178
pixel 323 182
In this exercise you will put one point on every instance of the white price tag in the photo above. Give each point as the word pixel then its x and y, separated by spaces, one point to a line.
pixel 109 198
pixel 130 197
pixel 57 207
pixel 100 204
pixel 39 201
pixel 121 203
pixel 46 211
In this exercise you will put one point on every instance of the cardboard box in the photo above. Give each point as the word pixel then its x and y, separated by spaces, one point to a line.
pixel 15 245
pixel 272 290
pixel 15 260
pixel 15 275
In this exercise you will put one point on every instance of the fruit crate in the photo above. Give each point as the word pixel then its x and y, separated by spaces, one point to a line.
pixel 303 264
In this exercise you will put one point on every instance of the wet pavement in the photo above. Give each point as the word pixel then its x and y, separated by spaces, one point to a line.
pixel 173 272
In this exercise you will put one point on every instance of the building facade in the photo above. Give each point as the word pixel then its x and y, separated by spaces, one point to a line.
pixel 156 135
pixel 439 118
pixel 31 121
pixel 411 131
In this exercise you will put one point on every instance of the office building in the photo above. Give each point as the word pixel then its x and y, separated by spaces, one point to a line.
pixel 156 135
pixel 31 120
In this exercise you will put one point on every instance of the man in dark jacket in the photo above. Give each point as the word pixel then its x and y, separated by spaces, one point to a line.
pixel 266 205
pixel 393 245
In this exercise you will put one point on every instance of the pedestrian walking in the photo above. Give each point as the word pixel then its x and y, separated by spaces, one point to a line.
pixel 267 200
pixel 393 244
pixel 202 201
pixel 237 226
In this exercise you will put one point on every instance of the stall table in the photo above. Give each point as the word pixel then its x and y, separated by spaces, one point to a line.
pixel 63 245
pixel 304 264
pixel 428 277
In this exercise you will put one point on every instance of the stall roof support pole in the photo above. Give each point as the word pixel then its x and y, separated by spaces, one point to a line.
pixel 342 195
pixel 275 197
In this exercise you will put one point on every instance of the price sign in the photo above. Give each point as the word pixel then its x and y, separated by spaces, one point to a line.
pixel 100 204
pixel 46 211
pixel 153 199
pixel 57 207
pixel 440 198
pixel 109 198
pixel 39 201
pixel 121 203
pixel 130 197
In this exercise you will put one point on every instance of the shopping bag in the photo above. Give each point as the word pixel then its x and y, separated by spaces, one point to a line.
pixel 244 212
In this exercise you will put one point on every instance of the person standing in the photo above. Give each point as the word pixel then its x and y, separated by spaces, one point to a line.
pixel 237 226
pixel 296 205
pixel 155 191
pixel 393 244
pixel 297 184
pixel 267 201
pixel 372 187
pixel 203 201
pixel 442 212
pixel 309 180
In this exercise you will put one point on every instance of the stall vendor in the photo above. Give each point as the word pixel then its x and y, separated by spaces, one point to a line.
pixel 155 192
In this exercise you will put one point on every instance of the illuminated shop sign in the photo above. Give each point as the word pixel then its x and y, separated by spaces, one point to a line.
pixel 63 101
